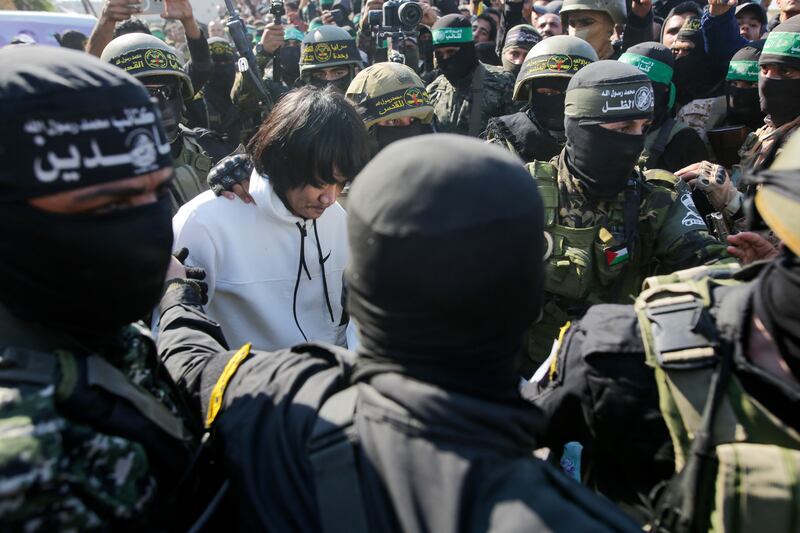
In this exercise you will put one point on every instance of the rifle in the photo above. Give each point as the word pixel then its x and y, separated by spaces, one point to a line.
pixel 247 60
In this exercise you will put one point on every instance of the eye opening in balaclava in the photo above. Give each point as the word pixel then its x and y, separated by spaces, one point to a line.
pixel 779 96
pixel 455 30
pixel 743 102
pixel 606 91
pixel 549 108
pixel 111 266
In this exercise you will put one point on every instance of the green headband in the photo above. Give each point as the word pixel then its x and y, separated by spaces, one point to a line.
pixel 783 43
pixel 444 36
pixel 293 34
pixel 621 101
pixel 743 70
pixel 656 70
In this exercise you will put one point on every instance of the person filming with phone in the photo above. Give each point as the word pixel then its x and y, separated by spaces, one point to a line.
pixel 116 11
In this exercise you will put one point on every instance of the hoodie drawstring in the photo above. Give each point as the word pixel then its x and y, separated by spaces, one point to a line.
pixel 322 266
pixel 302 266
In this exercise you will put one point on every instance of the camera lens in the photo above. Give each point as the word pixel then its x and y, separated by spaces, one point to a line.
pixel 410 14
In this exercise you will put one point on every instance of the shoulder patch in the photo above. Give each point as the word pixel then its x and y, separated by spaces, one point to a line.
pixel 661 177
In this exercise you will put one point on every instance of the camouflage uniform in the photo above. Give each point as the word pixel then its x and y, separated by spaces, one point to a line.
pixel 453 106
pixel 594 254
pixel 191 169
pixel 704 114
pixel 253 107
pixel 73 456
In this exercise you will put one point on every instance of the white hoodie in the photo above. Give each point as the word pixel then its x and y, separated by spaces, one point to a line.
pixel 251 255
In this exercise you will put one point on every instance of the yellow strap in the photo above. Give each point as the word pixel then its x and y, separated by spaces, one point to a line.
pixel 554 360
pixel 222 383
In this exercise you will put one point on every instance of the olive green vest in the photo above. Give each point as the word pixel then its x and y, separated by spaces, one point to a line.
pixel 191 169
pixel 579 266
pixel 737 464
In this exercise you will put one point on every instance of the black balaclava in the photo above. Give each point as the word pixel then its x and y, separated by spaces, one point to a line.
pixel 487 54
pixel 549 108
pixel 386 135
pixel 455 30
pixel 223 67
pixel 779 98
pixel 602 92
pixel 743 103
pixel 438 284
pixel 696 75
pixel 655 60
pixel 289 58
pixel 76 122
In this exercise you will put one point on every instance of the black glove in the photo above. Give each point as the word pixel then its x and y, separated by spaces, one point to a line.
pixel 228 172
pixel 195 274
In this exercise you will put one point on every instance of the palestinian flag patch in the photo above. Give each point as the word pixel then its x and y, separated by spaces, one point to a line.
pixel 617 255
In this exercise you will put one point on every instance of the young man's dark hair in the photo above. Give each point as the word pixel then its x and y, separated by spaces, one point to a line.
pixel 492 25
pixel 132 25
pixel 310 135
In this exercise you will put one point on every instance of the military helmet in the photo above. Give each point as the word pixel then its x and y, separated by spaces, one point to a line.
pixel 388 91
pixel 328 46
pixel 616 9
pixel 142 55
pixel 560 56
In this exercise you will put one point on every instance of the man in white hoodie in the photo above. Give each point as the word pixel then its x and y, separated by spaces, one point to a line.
pixel 274 265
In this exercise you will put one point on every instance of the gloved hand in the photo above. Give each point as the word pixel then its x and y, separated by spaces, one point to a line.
pixel 715 183
pixel 231 178
pixel 195 274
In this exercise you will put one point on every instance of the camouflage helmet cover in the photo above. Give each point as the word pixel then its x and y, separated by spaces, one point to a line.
pixel 389 91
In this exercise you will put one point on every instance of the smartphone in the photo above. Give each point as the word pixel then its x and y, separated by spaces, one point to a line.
pixel 151 7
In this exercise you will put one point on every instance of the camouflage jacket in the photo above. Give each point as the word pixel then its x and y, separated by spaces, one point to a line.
pixel 703 114
pixel 76 451
pixel 600 251
pixel 453 106
pixel 758 144
pixel 253 106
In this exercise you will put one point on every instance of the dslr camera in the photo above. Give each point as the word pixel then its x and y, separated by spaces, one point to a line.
pixel 397 16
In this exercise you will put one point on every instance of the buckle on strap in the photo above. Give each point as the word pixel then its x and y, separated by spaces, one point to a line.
pixel 684 336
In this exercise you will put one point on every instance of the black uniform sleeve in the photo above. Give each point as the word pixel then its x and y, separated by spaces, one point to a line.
pixel 510 17
pixel 189 343
pixel 685 148
pixel 603 395
pixel 200 67
pixel 637 30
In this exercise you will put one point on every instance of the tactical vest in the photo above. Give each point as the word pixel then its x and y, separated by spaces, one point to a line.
pixel 656 141
pixel 738 465
pixel 191 169
pixel 588 266
pixel 93 426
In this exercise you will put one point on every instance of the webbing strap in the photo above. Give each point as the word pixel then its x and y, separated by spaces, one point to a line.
pixel 476 103
pixel 333 460
pixel 102 374
pixel 660 143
